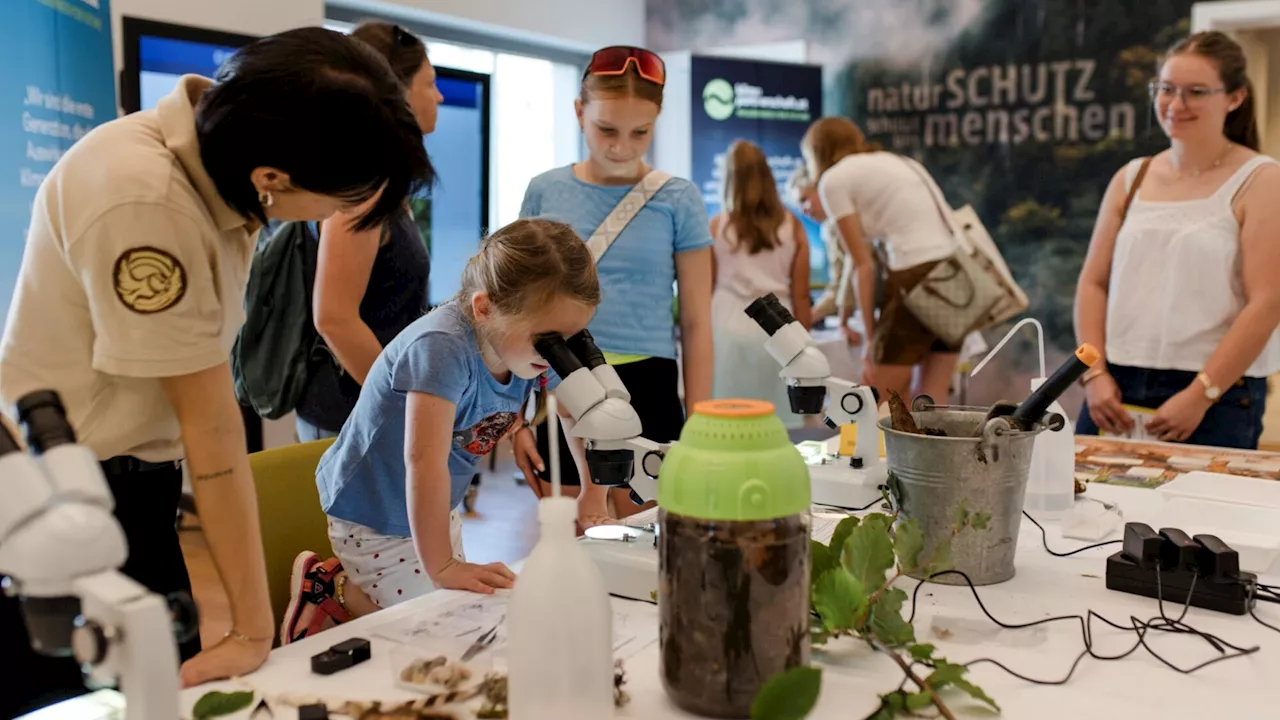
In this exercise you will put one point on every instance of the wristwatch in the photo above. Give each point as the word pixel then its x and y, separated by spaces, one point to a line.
pixel 1211 391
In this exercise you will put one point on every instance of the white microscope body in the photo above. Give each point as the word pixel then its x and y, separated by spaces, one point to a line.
pixel 600 405
pixel 60 546
pixel 854 483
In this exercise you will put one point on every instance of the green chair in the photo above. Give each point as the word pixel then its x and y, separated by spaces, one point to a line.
pixel 289 512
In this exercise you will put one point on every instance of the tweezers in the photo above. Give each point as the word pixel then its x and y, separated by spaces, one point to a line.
pixel 481 643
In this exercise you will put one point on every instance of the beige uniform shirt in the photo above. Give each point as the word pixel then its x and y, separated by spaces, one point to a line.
pixel 134 270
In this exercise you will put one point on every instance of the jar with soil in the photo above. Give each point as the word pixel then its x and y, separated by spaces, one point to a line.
pixel 733 551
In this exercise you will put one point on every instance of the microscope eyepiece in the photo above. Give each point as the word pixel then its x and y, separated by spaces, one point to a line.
pixel 584 347
pixel 556 352
pixel 45 419
pixel 770 314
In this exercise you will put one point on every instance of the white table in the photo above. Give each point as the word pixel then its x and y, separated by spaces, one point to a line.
pixel 1045 586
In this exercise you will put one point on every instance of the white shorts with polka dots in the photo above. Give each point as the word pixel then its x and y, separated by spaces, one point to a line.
pixel 386 568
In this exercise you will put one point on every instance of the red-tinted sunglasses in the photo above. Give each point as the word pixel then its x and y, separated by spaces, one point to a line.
pixel 614 61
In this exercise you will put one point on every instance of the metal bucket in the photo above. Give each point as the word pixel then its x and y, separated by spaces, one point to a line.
pixel 931 476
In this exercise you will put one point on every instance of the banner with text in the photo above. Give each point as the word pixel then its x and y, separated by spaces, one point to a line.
pixel 769 104
pixel 56 84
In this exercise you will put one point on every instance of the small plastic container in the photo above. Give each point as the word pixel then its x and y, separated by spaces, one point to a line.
pixel 733 556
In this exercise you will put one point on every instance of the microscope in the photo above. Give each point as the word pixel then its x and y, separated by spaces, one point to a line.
pixel 593 394
pixel 600 405
pixel 60 547
pixel 805 369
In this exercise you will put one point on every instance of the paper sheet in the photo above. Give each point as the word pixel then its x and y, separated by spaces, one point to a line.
pixel 451 628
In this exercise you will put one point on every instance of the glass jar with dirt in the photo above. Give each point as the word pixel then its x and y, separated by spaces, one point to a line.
pixel 733 558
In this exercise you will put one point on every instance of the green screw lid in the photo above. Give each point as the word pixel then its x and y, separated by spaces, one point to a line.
pixel 734 461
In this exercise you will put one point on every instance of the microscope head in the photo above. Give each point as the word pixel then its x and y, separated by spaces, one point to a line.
pixel 593 394
pixel 804 367
pixel 49 612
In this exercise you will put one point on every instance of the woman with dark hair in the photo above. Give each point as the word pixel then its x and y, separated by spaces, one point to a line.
pixel 370 284
pixel 1179 283
pixel 131 294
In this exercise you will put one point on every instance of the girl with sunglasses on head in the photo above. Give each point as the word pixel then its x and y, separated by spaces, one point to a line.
pixel 1179 283
pixel 667 241
pixel 369 284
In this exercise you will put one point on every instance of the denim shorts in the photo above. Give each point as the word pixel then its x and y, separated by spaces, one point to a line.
pixel 1235 421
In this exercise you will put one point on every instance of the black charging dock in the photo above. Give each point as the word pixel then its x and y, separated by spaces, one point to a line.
pixel 1202 567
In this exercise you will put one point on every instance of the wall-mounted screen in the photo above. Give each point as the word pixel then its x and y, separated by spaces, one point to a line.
pixel 156 54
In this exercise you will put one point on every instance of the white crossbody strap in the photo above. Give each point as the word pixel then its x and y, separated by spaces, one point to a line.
pixel 625 211
pixel 944 209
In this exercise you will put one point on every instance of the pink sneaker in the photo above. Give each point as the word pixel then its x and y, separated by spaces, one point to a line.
pixel 312 605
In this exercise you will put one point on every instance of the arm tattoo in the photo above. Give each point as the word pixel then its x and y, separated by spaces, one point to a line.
pixel 214 475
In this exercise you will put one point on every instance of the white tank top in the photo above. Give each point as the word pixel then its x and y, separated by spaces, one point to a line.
pixel 751 276
pixel 1176 283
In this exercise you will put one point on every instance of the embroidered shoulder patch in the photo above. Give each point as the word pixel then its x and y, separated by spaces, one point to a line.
pixel 149 280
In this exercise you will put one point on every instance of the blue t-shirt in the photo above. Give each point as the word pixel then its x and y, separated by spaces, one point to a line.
pixel 638 271
pixel 361 478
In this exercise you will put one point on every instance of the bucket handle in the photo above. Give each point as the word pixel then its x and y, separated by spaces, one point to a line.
pixel 995 437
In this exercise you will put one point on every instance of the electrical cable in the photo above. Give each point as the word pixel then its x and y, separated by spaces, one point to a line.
pixel 1044 536
pixel 1139 627
pixel 1253 610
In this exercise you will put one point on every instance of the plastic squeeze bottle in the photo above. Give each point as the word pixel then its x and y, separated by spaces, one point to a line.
pixel 733 558
pixel 559 620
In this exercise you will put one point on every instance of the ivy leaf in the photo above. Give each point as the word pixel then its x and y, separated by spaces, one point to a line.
pixel 841 536
pixel 980 521
pixel 887 622
pixel 216 704
pixel 908 542
pixel 868 554
pixel 788 696
pixel 890 706
pixel 962 514
pixel 840 599
pixel 919 701
pixel 940 560
pixel 922 652
pixel 975 692
pixel 879 521
pixel 821 561
pixel 945 674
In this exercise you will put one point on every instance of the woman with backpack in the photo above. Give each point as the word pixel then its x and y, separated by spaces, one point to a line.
pixel 369 284
pixel 663 239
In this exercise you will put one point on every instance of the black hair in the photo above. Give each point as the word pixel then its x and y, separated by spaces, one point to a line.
pixel 323 107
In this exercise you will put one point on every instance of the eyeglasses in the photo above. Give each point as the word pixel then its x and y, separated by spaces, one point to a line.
pixel 614 61
pixel 1193 95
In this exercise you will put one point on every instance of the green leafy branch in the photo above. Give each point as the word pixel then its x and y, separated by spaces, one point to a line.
pixel 852 594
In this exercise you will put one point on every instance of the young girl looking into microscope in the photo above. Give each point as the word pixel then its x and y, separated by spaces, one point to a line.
pixel 437 399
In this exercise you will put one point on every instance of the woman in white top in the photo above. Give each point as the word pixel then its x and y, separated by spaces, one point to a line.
pixel 837 298
pixel 869 193
pixel 1181 289
pixel 760 248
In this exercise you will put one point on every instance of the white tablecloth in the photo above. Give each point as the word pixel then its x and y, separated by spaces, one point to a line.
pixel 1137 687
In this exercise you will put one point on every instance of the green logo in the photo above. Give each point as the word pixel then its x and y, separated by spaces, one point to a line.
pixel 717 99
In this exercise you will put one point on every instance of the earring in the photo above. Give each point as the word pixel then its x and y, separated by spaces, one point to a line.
pixel 265 198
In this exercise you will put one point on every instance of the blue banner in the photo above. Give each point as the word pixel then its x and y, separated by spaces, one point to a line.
pixel 769 104
pixel 56 84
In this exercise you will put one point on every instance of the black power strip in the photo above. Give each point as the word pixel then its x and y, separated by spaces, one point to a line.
pixel 1202 570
